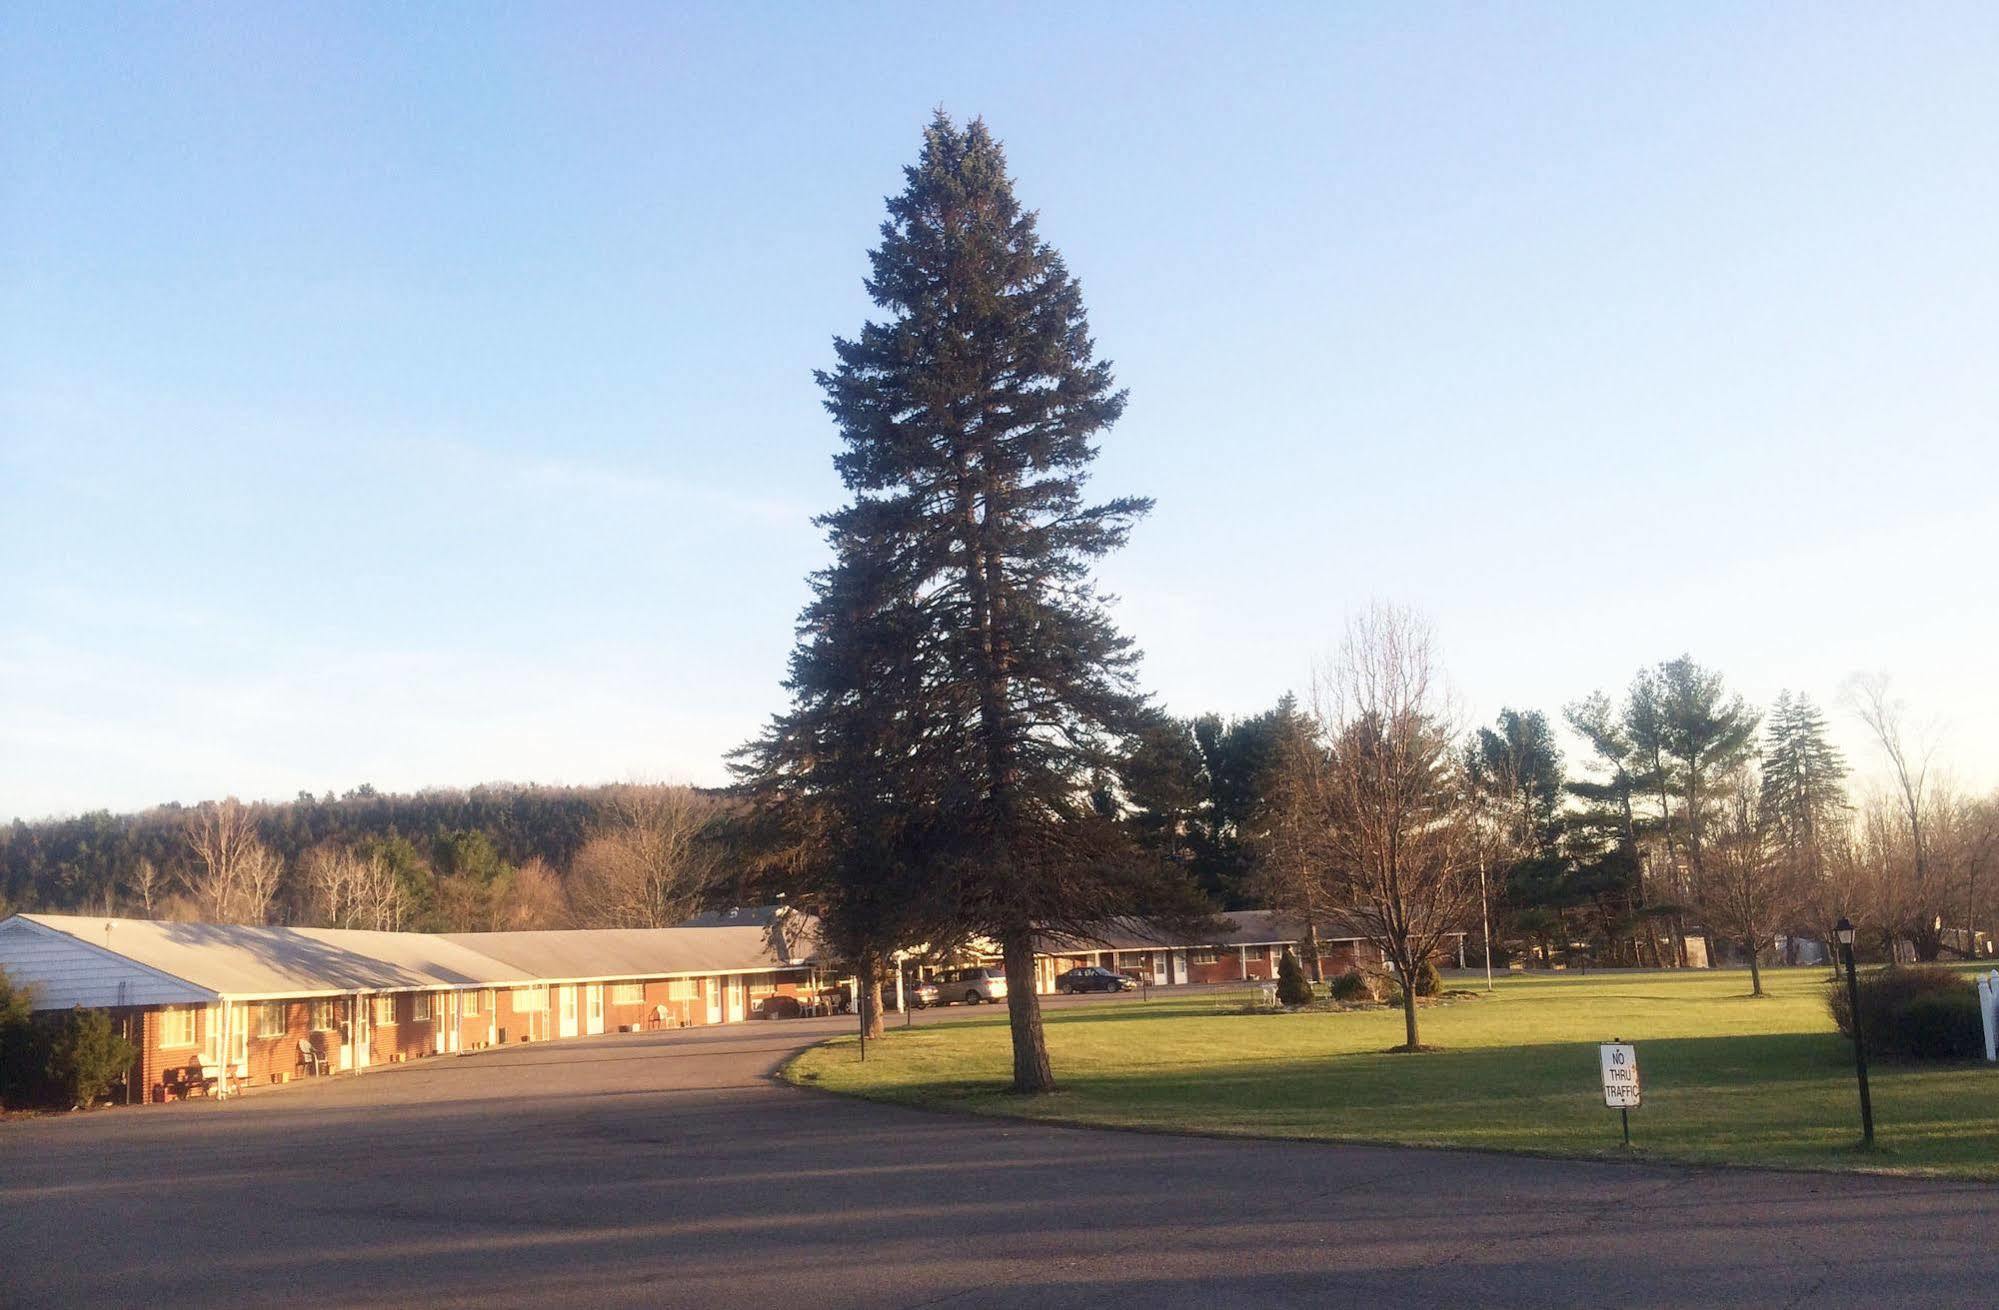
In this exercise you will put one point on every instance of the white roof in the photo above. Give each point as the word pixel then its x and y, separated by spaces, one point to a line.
pixel 66 971
pixel 100 962
pixel 241 960
pixel 582 954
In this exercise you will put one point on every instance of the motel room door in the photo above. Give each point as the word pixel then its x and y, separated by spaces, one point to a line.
pixel 713 987
pixel 593 1008
pixel 737 988
pixel 566 1010
pixel 454 1017
pixel 1160 975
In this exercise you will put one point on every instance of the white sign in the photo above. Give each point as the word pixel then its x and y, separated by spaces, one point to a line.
pixel 1988 1009
pixel 1620 1075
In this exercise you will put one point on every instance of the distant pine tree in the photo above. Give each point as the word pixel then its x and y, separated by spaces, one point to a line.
pixel 1804 783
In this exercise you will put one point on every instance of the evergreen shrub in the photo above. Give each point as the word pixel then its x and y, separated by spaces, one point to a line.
pixel 1292 987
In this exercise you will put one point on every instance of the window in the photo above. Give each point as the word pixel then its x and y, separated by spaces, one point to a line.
pixel 628 994
pixel 682 989
pixel 176 1028
pixel 385 1010
pixel 420 1008
pixel 468 1003
pixel 271 1019
pixel 323 1020
pixel 530 999
pixel 1203 955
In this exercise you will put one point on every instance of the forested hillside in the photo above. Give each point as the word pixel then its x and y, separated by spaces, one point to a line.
pixel 490 855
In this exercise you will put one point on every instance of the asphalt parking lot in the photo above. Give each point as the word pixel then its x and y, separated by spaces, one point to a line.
pixel 671 1170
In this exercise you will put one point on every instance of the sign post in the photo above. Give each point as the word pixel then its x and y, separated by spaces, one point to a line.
pixel 1621 1086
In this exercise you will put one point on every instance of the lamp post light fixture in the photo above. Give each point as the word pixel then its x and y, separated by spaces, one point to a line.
pixel 1844 931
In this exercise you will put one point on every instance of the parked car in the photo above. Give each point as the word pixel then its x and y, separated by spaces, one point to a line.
pixel 922 995
pixel 970 986
pixel 1091 978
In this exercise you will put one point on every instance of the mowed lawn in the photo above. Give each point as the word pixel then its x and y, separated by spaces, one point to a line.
pixel 1728 1078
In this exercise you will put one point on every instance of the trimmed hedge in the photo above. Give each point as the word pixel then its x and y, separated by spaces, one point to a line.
pixel 1917 1012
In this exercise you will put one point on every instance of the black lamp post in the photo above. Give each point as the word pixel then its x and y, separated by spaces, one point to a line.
pixel 1844 931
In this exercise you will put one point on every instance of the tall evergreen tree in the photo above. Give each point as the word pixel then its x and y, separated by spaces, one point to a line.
pixel 1804 784
pixel 1709 732
pixel 969 415
pixel 1240 756
pixel 1605 827
pixel 830 826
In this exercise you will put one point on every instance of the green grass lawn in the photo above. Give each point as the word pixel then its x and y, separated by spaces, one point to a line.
pixel 1728 1078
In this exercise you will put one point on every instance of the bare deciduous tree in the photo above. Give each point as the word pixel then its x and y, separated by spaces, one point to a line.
pixel 1752 887
pixel 1376 805
pixel 652 861
pixel 234 877
pixel 1909 756
pixel 534 898
pixel 148 882
pixel 345 889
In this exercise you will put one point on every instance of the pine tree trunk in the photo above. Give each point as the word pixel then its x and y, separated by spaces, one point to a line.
pixel 1032 1073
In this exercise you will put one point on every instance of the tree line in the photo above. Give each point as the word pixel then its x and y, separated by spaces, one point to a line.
pixel 491 857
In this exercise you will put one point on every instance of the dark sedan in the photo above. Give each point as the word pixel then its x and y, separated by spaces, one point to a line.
pixel 1092 979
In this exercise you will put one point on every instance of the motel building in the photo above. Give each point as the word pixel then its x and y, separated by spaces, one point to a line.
pixel 1247 952
pixel 215 1008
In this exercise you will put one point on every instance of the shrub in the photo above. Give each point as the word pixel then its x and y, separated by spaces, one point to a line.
pixel 1349 988
pixel 1921 1012
pixel 1292 989
pixel 86 1057
pixel 1943 1026
pixel 1428 983
pixel 21 1054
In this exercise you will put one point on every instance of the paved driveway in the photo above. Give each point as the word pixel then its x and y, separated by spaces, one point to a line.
pixel 669 1170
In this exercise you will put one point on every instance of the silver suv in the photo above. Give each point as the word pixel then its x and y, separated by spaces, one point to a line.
pixel 970 986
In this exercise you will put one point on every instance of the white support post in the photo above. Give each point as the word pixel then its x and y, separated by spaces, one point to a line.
pixel 1242 958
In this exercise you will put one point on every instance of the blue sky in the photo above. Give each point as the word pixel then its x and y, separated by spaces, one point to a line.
pixel 422 395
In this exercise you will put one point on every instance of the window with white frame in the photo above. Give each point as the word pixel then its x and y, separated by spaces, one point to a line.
pixel 1203 955
pixel 271 1019
pixel 385 1011
pixel 468 1002
pixel 324 1017
pixel 176 1028
pixel 530 999
pixel 628 993
pixel 682 989
pixel 420 1008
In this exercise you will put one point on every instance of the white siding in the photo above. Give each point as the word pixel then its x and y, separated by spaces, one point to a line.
pixel 65 972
